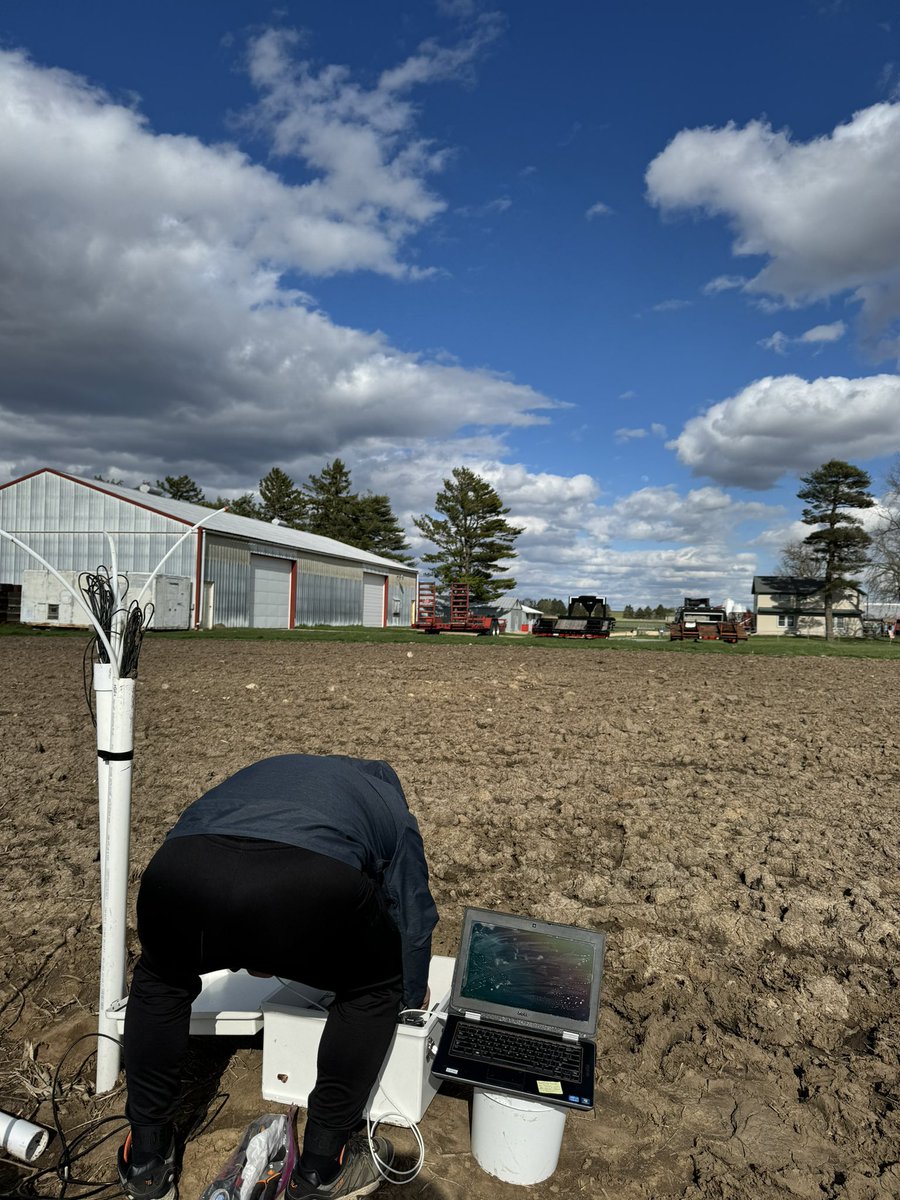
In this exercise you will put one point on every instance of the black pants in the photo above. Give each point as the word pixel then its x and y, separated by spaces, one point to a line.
pixel 211 902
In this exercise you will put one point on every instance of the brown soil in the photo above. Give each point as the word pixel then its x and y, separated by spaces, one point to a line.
pixel 731 822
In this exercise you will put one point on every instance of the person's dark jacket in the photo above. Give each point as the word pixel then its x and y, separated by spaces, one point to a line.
pixel 350 809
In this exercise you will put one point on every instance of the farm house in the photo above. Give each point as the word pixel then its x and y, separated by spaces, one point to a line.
pixel 242 572
pixel 788 604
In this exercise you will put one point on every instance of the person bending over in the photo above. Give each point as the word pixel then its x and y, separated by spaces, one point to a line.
pixel 302 866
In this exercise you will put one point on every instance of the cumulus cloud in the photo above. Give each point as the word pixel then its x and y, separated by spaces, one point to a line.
pixel 785 424
pixel 145 315
pixel 823 212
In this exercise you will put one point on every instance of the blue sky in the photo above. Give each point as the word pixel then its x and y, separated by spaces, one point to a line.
pixel 636 264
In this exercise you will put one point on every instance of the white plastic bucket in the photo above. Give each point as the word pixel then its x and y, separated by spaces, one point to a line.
pixel 21 1138
pixel 515 1139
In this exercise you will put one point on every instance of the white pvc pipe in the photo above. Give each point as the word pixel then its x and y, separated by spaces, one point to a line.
pixel 114 859
pixel 103 680
pixel 22 1139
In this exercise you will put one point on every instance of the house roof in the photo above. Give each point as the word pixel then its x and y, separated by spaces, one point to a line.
pixel 507 605
pixel 795 585
pixel 230 523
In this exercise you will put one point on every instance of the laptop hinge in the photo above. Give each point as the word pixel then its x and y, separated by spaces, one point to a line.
pixel 570 1037
pixel 470 1016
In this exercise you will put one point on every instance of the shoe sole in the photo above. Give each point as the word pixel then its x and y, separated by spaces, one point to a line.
pixel 171 1194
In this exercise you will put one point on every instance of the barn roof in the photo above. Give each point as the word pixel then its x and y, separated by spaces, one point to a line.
pixel 230 523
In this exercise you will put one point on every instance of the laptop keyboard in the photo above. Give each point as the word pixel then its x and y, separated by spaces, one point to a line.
pixel 545 1058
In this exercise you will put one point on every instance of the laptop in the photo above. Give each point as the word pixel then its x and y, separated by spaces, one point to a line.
pixel 523 1008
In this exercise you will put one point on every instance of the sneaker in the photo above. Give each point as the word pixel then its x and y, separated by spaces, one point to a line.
pixel 358 1175
pixel 151 1180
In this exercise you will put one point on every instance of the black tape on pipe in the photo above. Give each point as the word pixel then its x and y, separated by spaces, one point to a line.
pixel 115 755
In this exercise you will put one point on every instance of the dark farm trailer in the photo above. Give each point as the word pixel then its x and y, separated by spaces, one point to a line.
pixel 594 621
pixel 699 621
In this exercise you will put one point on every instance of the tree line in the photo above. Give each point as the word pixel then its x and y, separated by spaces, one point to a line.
pixel 473 540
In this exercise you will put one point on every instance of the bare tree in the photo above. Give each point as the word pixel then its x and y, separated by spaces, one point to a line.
pixel 883 576
pixel 798 559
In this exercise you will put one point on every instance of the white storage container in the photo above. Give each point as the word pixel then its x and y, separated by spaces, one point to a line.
pixel 229 1003
pixel 46 602
pixel 292 1028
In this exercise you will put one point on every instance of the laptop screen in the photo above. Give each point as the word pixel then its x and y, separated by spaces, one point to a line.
pixel 529 970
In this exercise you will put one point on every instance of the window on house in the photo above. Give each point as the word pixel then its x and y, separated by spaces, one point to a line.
pixel 52 612
pixel 785 621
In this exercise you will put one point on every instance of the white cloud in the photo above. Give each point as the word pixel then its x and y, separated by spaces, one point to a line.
pixel 817 336
pixel 671 306
pixel 777 341
pixel 824 333
pixel 598 210
pixel 499 205
pixel 787 425
pixel 706 515
pixel 823 212
pixel 146 318
pixel 723 283
pixel 627 435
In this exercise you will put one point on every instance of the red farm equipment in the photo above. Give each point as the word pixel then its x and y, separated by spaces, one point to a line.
pixel 699 621
pixel 593 621
pixel 435 615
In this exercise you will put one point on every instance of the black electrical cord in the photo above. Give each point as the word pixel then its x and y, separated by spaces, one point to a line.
pixel 74 1149
pixel 97 589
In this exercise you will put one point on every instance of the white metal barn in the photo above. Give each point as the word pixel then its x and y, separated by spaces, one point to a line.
pixel 242 572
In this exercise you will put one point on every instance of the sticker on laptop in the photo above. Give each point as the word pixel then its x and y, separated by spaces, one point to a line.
pixel 549 1088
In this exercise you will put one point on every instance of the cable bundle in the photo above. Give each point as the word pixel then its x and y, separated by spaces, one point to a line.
pixel 97 589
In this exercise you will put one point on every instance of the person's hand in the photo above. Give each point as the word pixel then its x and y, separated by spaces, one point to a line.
pixel 427 999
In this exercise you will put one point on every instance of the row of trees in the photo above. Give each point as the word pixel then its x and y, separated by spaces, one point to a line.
pixel 471 535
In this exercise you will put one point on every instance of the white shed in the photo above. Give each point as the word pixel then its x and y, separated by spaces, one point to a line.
pixel 519 617
pixel 242 572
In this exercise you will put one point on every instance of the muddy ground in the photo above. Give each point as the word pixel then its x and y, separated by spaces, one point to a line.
pixel 730 821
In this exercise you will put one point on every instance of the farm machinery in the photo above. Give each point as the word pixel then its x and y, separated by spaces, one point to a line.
pixel 435 615
pixel 699 621
pixel 593 621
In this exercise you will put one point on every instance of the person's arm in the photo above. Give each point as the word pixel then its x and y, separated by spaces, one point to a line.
pixel 412 908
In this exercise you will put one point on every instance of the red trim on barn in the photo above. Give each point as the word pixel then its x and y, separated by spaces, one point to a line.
pixel 198 582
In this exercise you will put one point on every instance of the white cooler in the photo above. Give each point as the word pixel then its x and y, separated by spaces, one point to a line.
pixel 292 1027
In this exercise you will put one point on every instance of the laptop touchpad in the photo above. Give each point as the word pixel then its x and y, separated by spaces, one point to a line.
pixel 516 1079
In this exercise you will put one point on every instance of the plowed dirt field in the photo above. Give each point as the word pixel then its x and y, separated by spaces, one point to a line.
pixel 730 821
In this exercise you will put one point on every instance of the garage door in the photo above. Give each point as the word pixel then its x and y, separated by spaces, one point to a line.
pixel 270 593
pixel 373 599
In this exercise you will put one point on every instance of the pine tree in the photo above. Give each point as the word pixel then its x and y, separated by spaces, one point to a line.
pixel 282 500
pixel 473 538
pixel 378 530
pixel 181 487
pixel 841 546
pixel 331 506
pixel 240 506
